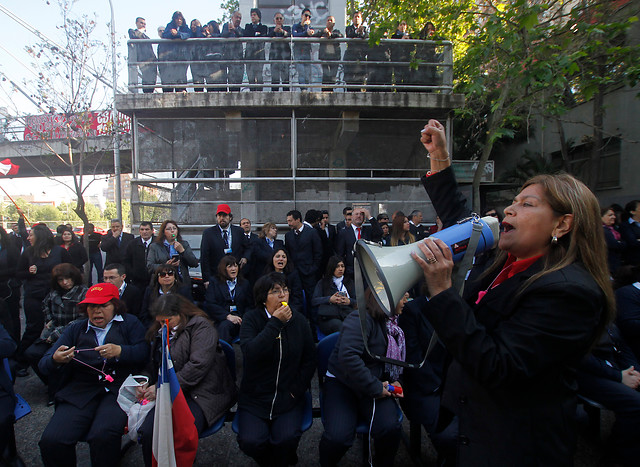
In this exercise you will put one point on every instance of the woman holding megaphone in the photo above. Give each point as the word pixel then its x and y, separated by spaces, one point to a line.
pixel 533 315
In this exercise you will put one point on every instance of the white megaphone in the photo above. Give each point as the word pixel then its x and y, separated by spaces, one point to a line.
pixel 391 271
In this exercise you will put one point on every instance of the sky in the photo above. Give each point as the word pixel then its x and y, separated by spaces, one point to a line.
pixel 44 15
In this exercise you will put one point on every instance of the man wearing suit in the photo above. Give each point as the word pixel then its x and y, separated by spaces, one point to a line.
pixel 327 236
pixel 115 243
pixel 250 271
pixel 255 50
pixel 222 239
pixel 233 52
pixel 347 212
pixel 115 273
pixel 630 231
pixel 305 250
pixel 415 225
pixel 136 257
pixel 356 231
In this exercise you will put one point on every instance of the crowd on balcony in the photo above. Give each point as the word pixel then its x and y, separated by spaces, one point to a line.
pixel 222 65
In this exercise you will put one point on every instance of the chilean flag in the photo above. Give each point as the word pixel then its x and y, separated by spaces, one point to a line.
pixel 175 438
pixel 7 168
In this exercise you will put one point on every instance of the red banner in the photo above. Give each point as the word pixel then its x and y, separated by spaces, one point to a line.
pixel 58 126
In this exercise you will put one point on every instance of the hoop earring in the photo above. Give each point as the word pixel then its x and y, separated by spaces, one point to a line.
pixel 554 240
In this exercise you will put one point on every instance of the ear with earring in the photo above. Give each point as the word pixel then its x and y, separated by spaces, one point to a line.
pixel 554 240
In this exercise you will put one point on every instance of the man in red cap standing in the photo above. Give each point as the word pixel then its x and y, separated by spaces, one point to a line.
pixel 222 239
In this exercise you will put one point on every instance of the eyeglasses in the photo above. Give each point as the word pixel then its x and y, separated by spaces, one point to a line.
pixel 307 15
pixel 283 291
pixel 165 273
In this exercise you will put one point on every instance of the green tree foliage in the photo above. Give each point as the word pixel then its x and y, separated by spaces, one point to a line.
pixel 516 58
pixel 228 7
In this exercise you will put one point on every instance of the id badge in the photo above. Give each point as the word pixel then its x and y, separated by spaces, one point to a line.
pixel 227 251
pixel 233 308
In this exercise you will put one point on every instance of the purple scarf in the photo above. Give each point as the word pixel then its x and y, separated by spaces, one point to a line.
pixel 396 348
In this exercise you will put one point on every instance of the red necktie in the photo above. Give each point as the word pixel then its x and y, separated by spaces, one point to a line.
pixel 358 229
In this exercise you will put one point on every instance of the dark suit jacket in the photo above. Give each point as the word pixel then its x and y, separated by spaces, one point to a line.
pixel 631 235
pixel 115 253
pixel 512 380
pixel 212 249
pixel 132 297
pixel 261 254
pixel 328 248
pixel 136 263
pixel 419 232
pixel 218 299
pixel 306 252
pixel 347 239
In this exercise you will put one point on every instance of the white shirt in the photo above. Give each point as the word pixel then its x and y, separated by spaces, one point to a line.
pixel 101 333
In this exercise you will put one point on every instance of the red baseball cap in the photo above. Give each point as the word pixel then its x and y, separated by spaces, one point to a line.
pixel 223 208
pixel 101 293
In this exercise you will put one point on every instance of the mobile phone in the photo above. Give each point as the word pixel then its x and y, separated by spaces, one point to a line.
pixel 175 257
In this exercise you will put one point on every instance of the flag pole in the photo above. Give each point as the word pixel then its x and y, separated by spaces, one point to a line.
pixel 16 205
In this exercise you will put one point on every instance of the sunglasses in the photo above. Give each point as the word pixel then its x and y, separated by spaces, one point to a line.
pixel 307 15
pixel 165 273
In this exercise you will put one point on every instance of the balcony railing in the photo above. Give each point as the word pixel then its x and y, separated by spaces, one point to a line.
pixel 291 65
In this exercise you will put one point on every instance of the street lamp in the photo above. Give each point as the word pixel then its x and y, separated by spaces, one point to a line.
pixel 114 119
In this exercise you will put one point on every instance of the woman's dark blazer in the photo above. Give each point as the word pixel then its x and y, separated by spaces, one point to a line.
pixel 512 380
pixel 327 309
pixel 78 255
pixel 81 384
pixel 218 299
pixel 261 255
pixel 615 250
pixel 351 364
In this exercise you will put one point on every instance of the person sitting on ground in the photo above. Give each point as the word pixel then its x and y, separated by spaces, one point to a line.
pixel 356 387
pixel 164 281
pixel 59 308
pixel 228 298
pixel 279 362
pixel 97 353
pixel 199 363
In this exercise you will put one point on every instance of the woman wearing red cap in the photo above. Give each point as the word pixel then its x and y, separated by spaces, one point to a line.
pixel 96 355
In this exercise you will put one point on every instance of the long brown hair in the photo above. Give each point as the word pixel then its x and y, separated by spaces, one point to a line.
pixel 172 305
pixel 398 233
pixel 585 242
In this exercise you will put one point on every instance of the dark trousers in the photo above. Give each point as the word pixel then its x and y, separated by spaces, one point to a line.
pixel 101 422
pixel 11 317
pixel 227 331
pixel 254 73
pixel 625 402
pixel 329 72
pixel 34 324
pixel 95 261
pixel 343 410
pixel 145 433
pixel 34 354
pixel 7 405
pixel 280 74
pixel 234 77
pixel 149 73
pixel 329 325
pixel 270 442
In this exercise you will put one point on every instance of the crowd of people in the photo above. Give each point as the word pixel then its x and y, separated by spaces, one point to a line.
pixel 221 64
pixel 536 325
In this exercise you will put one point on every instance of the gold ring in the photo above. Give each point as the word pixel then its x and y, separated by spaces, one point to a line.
pixel 432 260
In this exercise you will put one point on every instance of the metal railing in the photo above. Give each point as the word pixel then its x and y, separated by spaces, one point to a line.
pixel 291 64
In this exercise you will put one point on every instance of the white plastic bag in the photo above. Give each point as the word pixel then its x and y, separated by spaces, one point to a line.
pixel 136 411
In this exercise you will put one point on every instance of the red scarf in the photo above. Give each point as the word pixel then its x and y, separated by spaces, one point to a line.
pixel 511 267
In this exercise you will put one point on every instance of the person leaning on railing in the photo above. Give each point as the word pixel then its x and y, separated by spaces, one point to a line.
pixel 355 73
pixel 329 51
pixel 233 52
pixel 255 49
pixel 170 73
pixel 280 50
pixel 143 53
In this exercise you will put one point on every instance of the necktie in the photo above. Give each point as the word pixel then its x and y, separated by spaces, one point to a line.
pixel 225 237
pixel 359 233
pixel 297 232
pixel 119 239
pixel 146 250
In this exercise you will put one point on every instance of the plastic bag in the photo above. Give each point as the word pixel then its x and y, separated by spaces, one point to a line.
pixel 136 410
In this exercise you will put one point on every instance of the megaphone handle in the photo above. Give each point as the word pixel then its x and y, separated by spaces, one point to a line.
pixel 467 260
